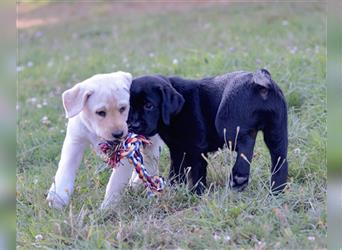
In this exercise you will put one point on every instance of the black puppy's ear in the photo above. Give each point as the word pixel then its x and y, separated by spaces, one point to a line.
pixel 172 103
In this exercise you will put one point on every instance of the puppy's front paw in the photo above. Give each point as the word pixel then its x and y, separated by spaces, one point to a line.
pixel 109 203
pixel 56 199
pixel 105 206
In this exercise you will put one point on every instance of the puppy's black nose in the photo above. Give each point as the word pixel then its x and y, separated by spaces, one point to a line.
pixel 117 134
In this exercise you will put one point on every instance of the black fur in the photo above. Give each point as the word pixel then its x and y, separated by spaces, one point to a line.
pixel 194 116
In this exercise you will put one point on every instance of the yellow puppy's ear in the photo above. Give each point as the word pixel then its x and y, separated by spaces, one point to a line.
pixel 74 99
pixel 127 78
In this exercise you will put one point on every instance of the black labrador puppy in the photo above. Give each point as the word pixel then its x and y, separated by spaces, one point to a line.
pixel 195 117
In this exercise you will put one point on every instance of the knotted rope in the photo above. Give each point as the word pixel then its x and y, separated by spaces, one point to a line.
pixel 130 148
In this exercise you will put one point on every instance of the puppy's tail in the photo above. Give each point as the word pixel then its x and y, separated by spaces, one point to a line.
pixel 262 78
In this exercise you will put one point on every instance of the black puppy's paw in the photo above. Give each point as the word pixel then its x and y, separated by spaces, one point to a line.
pixel 238 183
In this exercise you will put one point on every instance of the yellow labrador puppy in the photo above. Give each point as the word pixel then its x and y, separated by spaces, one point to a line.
pixel 97 109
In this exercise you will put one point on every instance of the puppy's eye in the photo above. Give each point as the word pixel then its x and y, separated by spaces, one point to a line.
pixel 101 113
pixel 122 109
pixel 148 106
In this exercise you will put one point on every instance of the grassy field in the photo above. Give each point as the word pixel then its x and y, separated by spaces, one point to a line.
pixel 62 44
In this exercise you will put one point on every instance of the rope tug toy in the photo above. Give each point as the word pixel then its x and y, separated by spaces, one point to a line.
pixel 130 148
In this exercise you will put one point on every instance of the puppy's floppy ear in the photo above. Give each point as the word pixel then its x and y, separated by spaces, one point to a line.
pixel 128 78
pixel 75 98
pixel 172 102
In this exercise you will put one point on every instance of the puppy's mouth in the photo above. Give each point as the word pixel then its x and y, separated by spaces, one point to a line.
pixel 144 132
pixel 112 142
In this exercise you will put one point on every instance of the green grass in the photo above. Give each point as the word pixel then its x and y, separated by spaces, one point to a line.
pixel 287 39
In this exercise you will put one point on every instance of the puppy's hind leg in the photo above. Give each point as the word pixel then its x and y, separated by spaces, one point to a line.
pixel 275 137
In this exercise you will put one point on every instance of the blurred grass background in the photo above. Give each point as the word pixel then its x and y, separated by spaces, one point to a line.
pixel 63 43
